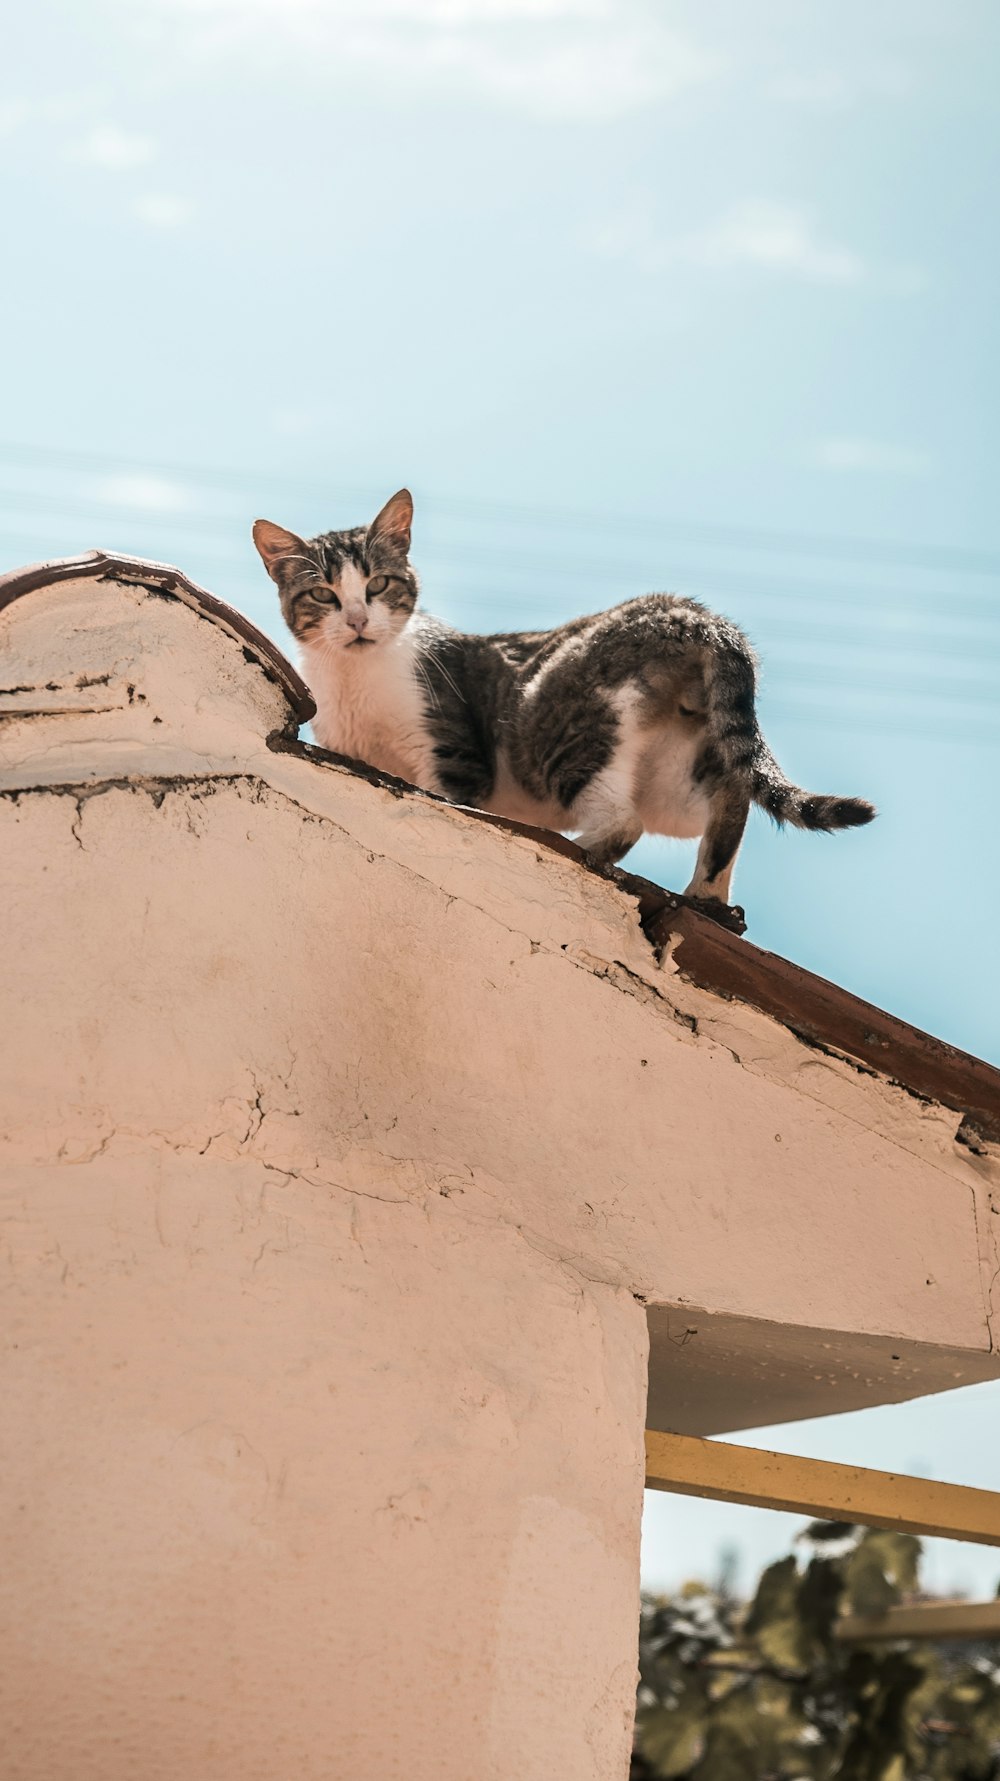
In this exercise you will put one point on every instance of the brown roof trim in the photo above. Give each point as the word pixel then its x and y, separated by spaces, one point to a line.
pixel 166 582
pixel 827 1016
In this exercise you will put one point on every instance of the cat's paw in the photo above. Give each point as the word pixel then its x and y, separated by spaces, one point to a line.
pixel 599 861
pixel 727 915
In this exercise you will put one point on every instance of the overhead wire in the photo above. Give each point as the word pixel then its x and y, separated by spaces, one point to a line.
pixel 959 559
pixel 907 619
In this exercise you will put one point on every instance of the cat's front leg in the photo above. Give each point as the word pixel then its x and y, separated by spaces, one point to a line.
pixel 605 853
pixel 604 850
pixel 606 821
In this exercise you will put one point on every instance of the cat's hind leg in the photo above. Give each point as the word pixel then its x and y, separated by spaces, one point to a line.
pixel 720 843
pixel 606 818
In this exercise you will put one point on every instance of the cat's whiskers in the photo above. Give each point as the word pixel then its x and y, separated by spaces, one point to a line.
pixel 422 676
pixel 439 665
pixel 296 556
pixel 331 647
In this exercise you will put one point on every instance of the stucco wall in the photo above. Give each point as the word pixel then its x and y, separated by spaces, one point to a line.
pixel 345 1138
pixel 310 1483
pixel 323 1465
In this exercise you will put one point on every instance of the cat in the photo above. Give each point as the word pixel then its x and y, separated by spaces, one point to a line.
pixel 638 720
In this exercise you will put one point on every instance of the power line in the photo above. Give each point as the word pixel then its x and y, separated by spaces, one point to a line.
pixel 897 622
pixel 958 559
pixel 610 575
pixel 899 647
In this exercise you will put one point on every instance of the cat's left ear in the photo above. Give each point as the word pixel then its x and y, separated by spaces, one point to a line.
pixel 276 545
pixel 392 525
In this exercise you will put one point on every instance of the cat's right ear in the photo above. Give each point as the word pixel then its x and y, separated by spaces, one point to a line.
pixel 392 525
pixel 276 546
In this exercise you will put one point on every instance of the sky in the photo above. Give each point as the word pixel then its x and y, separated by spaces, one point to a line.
pixel 632 294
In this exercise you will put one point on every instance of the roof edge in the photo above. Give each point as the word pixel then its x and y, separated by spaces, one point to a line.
pixel 823 1015
pixel 105 565
pixel 706 945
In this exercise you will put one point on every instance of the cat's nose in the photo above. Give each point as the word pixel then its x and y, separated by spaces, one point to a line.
pixel 358 620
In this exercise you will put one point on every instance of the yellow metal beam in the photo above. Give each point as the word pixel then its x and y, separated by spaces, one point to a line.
pixel 820 1489
pixel 923 1620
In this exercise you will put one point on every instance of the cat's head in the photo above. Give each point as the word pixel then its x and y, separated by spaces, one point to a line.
pixel 344 590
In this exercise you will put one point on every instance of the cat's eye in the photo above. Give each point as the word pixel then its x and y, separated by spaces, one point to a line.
pixel 318 593
pixel 378 584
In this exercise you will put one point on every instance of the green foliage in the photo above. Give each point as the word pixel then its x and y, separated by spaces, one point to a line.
pixel 764 1692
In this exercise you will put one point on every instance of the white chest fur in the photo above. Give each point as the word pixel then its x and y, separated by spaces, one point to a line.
pixel 369 705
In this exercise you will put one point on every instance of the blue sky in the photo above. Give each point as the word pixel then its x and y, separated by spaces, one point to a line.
pixel 631 294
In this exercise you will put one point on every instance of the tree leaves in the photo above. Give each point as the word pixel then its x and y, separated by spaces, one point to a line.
pixel 766 1693
pixel 882 1566
pixel 673 1739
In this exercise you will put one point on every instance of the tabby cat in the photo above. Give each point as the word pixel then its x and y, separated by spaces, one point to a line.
pixel 638 720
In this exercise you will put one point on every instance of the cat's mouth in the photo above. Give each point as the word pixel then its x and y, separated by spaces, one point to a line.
pixel 355 641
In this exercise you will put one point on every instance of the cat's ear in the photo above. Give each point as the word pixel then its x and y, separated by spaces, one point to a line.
pixel 276 545
pixel 392 525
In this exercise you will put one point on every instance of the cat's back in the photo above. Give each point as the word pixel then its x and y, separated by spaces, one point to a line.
pixel 631 640
pixel 643 619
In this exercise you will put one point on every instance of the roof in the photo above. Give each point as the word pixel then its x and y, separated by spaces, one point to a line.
pixel 114 687
pixel 707 948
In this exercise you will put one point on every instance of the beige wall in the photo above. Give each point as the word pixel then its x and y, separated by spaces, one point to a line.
pixel 322 1465
pixel 345 1137
pixel 311 1484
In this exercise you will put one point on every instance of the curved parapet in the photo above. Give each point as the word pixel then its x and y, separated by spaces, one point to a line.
pixel 97 655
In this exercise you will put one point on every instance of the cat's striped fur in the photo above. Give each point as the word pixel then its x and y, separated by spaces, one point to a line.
pixel 639 719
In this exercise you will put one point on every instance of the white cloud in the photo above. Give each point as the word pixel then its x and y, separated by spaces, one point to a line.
pixel 141 490
pixel 588 59
pixel 428 12
pixel 775 237
pixel 871 457
pixel 107 146
pixel 162 210
pixel 759 235
pixel 593 74
pixel 833 89
pixel 17 114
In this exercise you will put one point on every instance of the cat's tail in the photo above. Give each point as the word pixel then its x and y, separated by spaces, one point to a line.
pixel 731 681
pixel 786 802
